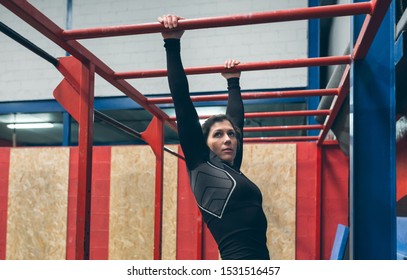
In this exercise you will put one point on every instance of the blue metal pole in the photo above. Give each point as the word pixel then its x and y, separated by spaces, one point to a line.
pixel 69 5
pixel 313 72
pixel 372 146
pixel 66 137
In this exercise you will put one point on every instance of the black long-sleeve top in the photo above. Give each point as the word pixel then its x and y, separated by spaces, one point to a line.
pixel 231 205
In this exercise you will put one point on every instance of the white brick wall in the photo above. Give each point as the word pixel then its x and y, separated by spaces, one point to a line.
pixel 24 76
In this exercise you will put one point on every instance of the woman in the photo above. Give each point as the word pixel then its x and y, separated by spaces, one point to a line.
pixel 231 205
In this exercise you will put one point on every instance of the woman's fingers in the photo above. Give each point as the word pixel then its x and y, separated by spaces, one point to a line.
pixel 169 21
pixel 230 63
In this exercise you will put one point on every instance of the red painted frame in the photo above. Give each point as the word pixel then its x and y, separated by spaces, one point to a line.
pixel 4 181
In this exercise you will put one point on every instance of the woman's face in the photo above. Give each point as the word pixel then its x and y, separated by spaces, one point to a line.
pixel 222 141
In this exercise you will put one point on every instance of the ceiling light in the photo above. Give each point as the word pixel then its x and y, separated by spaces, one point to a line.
pixel 29 125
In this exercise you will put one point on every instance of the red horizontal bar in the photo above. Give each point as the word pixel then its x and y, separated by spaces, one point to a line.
pixel 251 95
pixel 251 66
pixel 288 113
pixel 282 128
pixel 222 21
pixel 276 114
pixel 280 139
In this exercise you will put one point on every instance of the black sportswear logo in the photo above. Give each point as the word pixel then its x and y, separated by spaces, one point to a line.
pixel 212 187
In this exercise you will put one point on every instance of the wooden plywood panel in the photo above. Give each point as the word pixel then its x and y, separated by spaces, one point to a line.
pixel 272 167
pixel 132 186
pixel 169 238
pixel 37 204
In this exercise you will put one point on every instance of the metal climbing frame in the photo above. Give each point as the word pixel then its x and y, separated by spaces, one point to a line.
pixel 76 94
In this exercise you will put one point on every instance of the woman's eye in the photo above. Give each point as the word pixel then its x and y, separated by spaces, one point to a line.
pixel 231 134
pixel 217 134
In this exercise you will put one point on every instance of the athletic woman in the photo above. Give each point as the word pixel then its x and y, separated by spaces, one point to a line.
pixel 231 205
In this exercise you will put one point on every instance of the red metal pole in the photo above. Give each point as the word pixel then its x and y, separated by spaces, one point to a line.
pixel 233 20
pixel 288 113
pixel 252 66
pixel 154 136
pixel 280 139
pixel 159 181
pixel 85 162
pixel 277 114
pixel 282 128
pixel 251 95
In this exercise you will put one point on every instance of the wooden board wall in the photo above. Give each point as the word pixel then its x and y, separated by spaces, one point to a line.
pixel 37 203
pixel 132 203
pixel 37 216
pixel 169 238
pixel 272 168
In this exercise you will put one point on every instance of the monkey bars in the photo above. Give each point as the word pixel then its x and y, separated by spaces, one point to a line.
pixel 66 40
pixel 78 84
